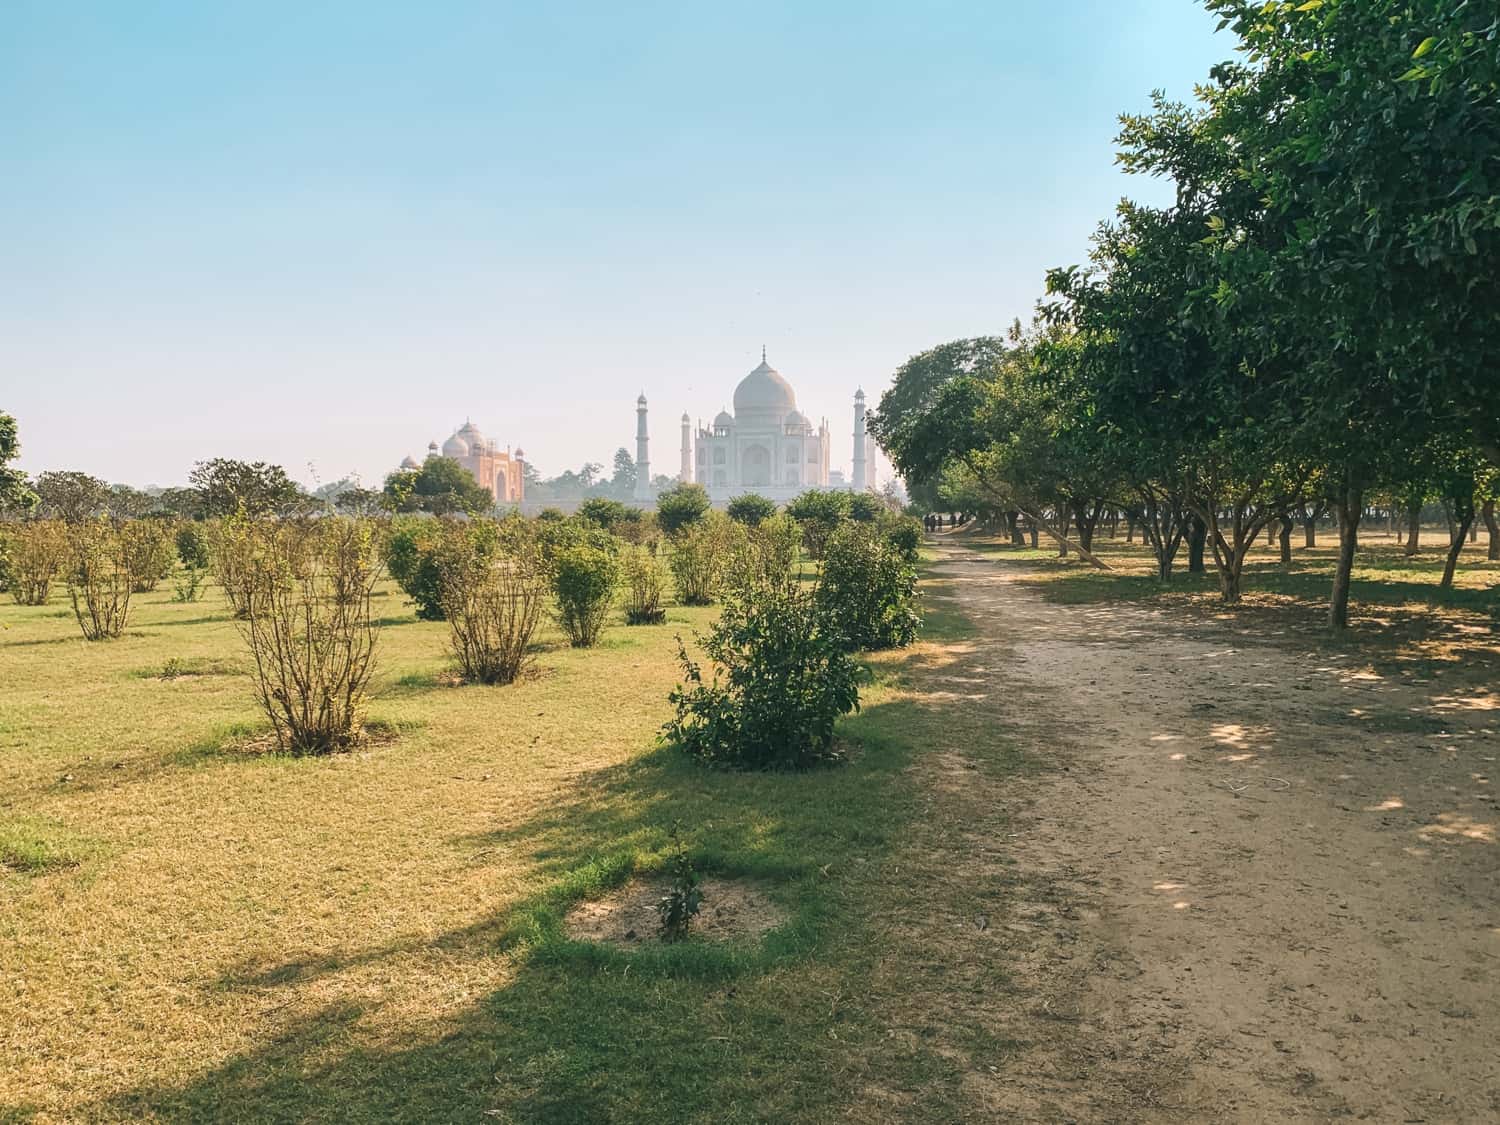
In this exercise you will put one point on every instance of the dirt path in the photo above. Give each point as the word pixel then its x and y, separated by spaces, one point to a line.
pixel 1260 885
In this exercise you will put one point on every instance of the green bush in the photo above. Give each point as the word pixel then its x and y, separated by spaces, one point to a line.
pixel 37 553
pixel 150 551
pixel 751 509
pixel 819 513
pixel 865 507
pixel 603 512
pixel 644 594
pixel 700 554
pixel 779 684
pixel 868 590
pixel 766 553
pixel 192 546
pixel 904 534
pixel 583 581
pixel 680 506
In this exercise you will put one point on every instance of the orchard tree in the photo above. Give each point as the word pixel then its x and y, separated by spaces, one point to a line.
pixel 681 505
pixel 15 492
pixel 252 487
pixel 71 496
pixel 441 486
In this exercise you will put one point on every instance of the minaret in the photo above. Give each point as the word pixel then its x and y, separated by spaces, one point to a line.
pixel 685 475
pixel 859 440
pixel 642 459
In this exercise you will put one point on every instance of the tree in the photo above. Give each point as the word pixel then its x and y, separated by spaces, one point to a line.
pixel 253 487
pixel 71 496
pixel 681 505
pixel 358 501
pixel 127 503
pixel 603 512
pixel 623 482
pixel 441 486
pixel 15 493
pixel 751 508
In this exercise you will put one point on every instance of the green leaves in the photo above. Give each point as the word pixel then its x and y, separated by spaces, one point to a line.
pixel 1425 47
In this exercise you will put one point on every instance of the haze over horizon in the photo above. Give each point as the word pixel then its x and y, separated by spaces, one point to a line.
pixel 327 237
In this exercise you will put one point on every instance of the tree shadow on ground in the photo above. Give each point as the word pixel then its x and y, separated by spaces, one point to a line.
pixel 587 1033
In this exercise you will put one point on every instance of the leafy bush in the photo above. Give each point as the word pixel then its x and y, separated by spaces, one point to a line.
pixel 603 512
pixel 4 559
pixel 766 553
pixel 100 578
pixel 192 545
pixel 583 581
pixel 905 535
pixel 188 586
pixel 680 506
pixel 699 557
pixel 38 552
pixel 411 557
pixel 819 515
pixel 780 682
pixel 750 509
pixel 644 586
pixel 868 590
pixel 231 546
pixel 865 507
pixel 493 599
pixel 313 644
pixel 149 551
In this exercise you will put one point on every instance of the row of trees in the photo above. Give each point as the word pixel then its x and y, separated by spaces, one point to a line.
pixel 1313 321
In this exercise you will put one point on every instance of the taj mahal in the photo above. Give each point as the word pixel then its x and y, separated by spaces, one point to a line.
pixel 766 446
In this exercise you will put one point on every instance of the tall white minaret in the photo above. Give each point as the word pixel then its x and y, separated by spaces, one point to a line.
pixel 685 474
pixel 859 440
pixel 642 457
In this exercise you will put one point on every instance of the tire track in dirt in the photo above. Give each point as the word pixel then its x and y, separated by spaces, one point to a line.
pixel 1259 884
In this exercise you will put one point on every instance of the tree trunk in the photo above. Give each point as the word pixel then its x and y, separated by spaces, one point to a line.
pixel 1494 530
pixel 1088 523
pixel 1350 508
pixel 1064 519
pixel 1013 519
pixel 1465 519
pixel 1413 528
pixel 1129 528
pixel 1286 540
pixel 1473 530
pixel 1031 526
pixel 1310 531
pixel 1197 539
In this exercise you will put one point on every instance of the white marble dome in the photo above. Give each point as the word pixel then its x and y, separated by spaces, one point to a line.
pixel 455 446
pixel 764 392
pixel 724 419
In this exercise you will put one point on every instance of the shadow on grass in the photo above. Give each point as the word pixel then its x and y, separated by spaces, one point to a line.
pixel 732 1032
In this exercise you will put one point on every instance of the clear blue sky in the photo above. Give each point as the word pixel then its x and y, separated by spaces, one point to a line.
pixel 329 232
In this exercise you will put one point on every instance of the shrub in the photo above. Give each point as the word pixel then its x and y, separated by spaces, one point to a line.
pixel 349 548
pixel 780 682
pixel 868 590
pixel 149 551
pixel 750 509
pixel 100 578
pixel 312 645
pixel 413 556
pixel 680 905
pixel 4 559
pixel 38 551
pixel 192 545
pixel 766 553
pixel 231 546
pixel 188 586
pixel 680 506
pixel 819 515
pixel 905 535
pixel 603 512
pixel 551 515
pixel 643 580
pixel 583 581
pixel 865 507
pixel 493 599
pixel 699 558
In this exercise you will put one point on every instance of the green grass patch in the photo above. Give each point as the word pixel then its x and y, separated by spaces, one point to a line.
pixel 32 845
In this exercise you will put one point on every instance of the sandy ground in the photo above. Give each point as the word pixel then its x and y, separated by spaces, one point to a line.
pixel 1252 883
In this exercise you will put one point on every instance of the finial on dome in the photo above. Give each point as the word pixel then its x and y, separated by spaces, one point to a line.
pixel 763 353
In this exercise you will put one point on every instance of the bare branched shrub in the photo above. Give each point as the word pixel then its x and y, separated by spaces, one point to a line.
pixel 493 599
pixel 38 552
pixel 150 551
pixel 100 578
pixel 307 623
pixel 644 584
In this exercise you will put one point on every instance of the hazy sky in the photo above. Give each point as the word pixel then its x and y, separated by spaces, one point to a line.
pixel 327 233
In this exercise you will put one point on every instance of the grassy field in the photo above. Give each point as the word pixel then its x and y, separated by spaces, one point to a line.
pixel 193 929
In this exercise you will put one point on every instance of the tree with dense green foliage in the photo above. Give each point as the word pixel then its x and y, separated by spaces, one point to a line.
pixel 750 509
pixel 601 511
pixel 681 505
pixel 15 492
pixel 441 486
pixel 818 513
pixel 72 497
pixel 584 578
pixel 255 488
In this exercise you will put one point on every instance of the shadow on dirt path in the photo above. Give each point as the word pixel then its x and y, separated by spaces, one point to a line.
pixel 1260 884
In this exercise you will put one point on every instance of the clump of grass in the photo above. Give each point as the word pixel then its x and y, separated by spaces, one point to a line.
pixel 33 846
pixel 180 667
